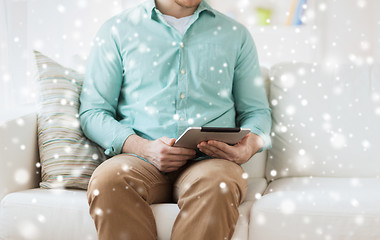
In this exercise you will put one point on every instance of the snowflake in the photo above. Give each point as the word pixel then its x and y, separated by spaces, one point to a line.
pixel 76 123
pixel 98 211
pixel 223 93
pixel 41 218
pixel 258 195
pixel 150 110
pixel 21 176
pixel 125 167
pixel 96 192
pixel 176 117
pixel 76 172
pixel 28 230
pixel 354 202
pixel 355 182
pixel 61 8
pixel 60 178
pixel 68 149
pixel 359 220
pixel 287 206
pixel 338 141
pixel 258 81
pixel 142 48
pixel 288 80
pixel 223 187
pixel 365 45
pixel 290 110
pixel 301 152
pixel 78 23
pixel 82 3
pixel 260 219
pixel 362 3
pixel 375 97
pixel 366 144
pixel 335 196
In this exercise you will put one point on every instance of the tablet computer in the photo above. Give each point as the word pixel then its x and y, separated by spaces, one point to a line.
pixel 194 135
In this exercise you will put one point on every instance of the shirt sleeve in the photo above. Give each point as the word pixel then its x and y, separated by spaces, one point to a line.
pixel 251 102
pixel 100 93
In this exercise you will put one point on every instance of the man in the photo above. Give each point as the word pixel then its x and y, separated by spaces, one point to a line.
pixel 154 71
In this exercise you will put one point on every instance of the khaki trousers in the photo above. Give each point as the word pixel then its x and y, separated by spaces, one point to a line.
pixel 208 193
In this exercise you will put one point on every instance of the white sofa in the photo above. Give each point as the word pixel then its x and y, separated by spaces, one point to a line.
pixel 319 181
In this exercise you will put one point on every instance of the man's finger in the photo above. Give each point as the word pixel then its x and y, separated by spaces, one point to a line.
pixel 216 152
pixel 173 166
pixel 178 158
pixel 171 142
pixel 221 145
pixel 181 151
pixel 168 141
pixel 176 163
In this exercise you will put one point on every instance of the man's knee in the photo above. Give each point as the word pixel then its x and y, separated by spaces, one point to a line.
pixel 224 187
pixel 217 178
pixel 115 174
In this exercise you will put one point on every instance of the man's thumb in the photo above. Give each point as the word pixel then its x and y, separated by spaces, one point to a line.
pixel 168 141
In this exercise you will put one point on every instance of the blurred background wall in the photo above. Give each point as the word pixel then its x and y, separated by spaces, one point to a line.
pixel 328 32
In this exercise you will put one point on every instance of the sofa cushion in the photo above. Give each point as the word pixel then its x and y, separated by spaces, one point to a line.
pixel 68 158
pixel 318 208
pixel 19 155
pixel 59 214
pixel 46 214
pixel 256 187
pixel 325 121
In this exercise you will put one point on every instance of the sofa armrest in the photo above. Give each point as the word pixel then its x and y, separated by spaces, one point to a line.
pixel 19 154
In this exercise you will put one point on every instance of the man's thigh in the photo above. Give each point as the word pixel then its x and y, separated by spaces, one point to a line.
pixel 131 171
pixel 214 171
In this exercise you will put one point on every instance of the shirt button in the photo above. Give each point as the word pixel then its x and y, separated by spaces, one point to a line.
pixel 182 96
pixel 181 44
pixel 183 71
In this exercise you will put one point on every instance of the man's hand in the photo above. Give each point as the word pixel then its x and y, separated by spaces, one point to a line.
pixel 165 157
pixel 239 153
pixel 160 152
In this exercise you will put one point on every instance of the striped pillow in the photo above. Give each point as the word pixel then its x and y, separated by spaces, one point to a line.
pixel 68 158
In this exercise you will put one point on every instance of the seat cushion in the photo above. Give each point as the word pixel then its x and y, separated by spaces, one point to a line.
pixel 318 208
pixel 45 214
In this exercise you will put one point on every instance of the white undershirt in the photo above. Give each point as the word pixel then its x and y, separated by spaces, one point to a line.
pixel 181 24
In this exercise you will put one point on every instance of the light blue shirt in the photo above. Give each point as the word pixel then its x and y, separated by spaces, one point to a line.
pixel 143 77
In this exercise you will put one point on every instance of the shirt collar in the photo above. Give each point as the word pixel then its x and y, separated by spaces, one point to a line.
pixel 203 6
